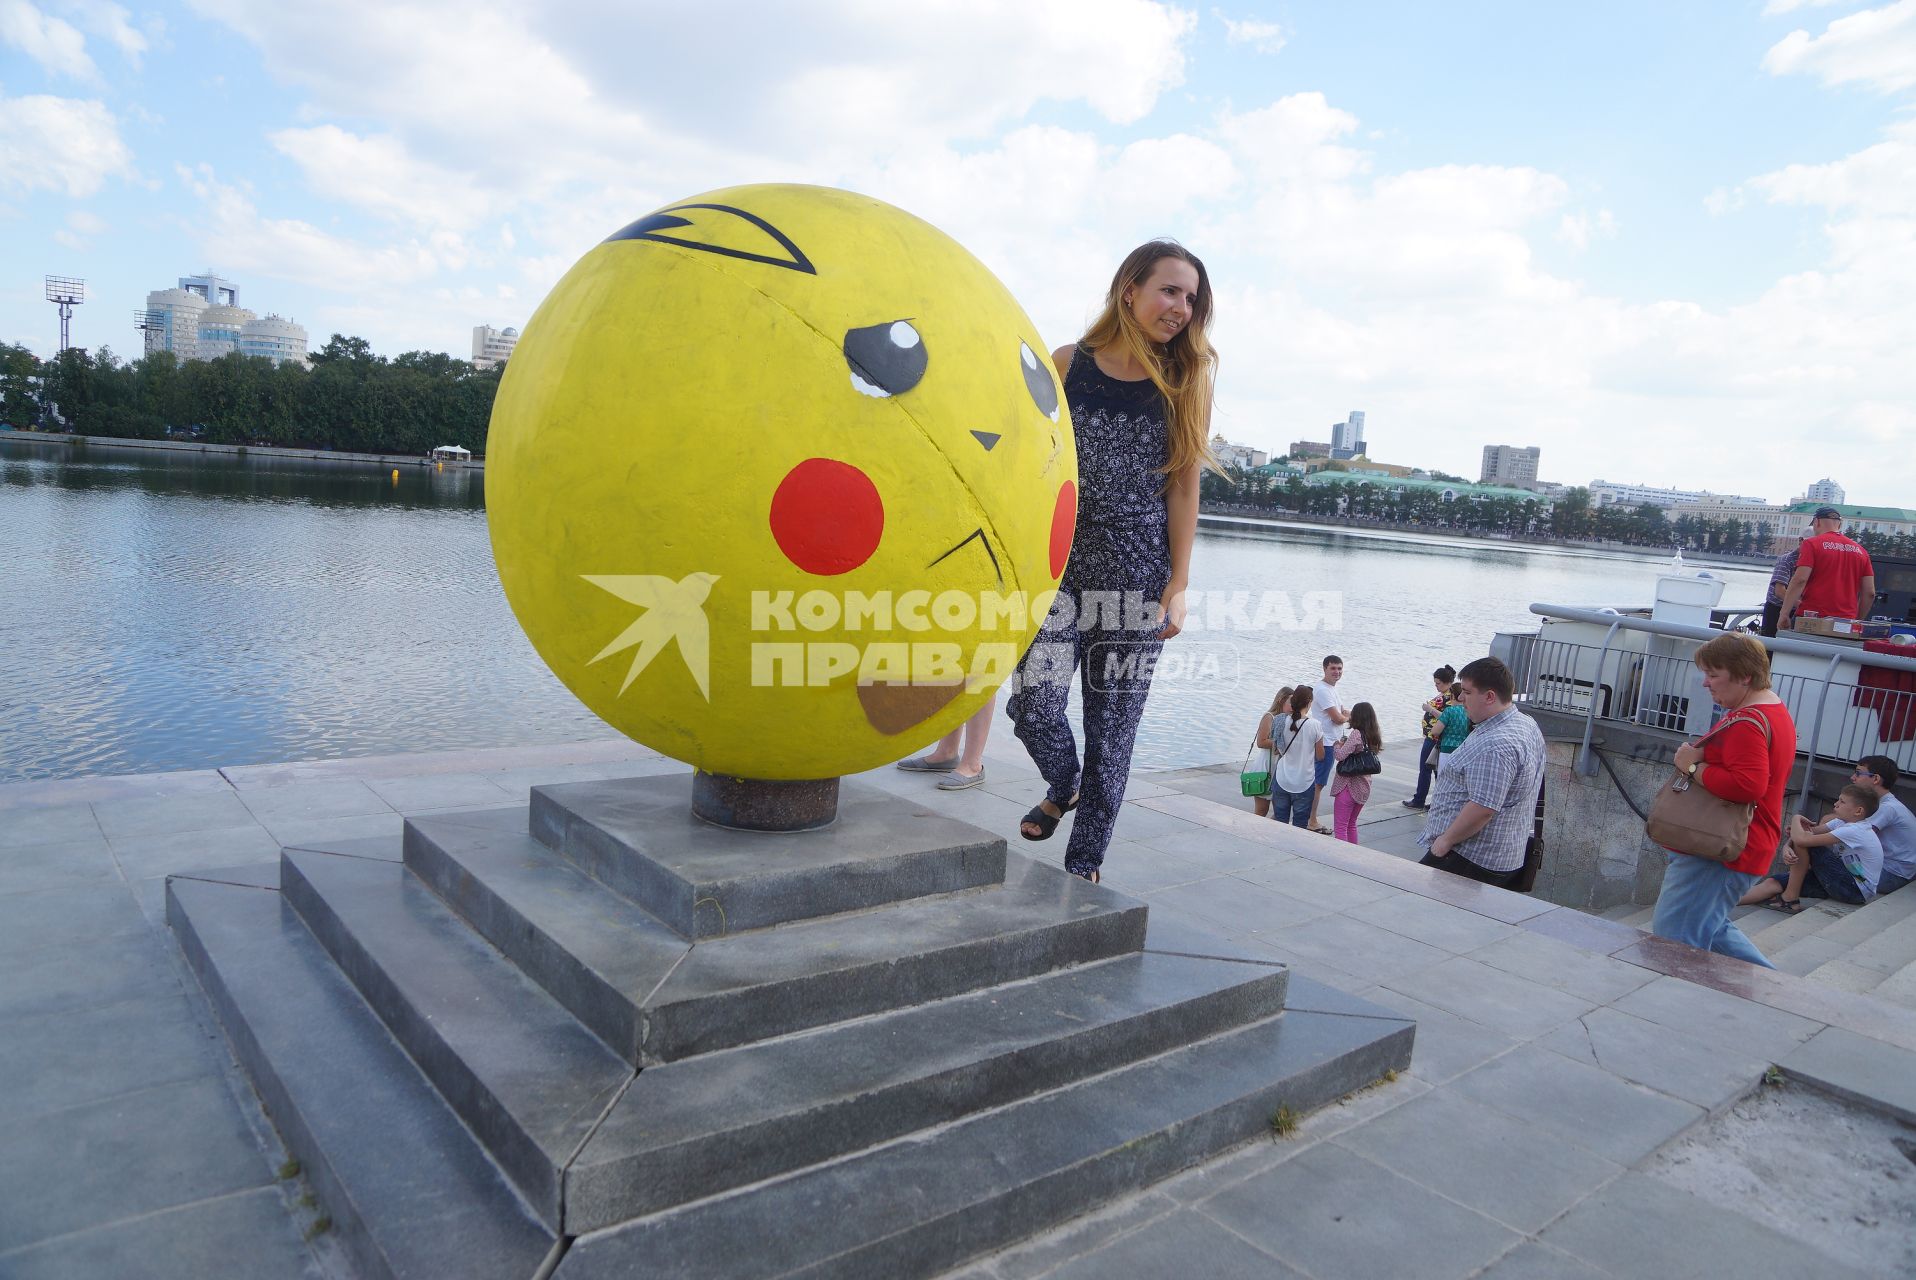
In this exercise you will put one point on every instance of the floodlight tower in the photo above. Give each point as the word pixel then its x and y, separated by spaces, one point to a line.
pixel 65 293
pixel 149 322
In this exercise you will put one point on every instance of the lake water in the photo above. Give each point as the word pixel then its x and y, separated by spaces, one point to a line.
pixel 175 611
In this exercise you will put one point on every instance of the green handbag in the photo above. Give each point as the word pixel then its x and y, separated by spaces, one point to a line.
pixel 1255 782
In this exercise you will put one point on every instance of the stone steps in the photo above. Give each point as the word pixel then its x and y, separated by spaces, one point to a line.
pixel 482 1051
pixel 924 1204
pixel 700 1126
pixel 411 1193
pixel 731 990
pixel 528 1078
pixel 639 837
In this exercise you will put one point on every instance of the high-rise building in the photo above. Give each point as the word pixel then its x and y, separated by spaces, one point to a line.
pixel 202 320
pixel 492 346
pixel 178 328
pixel 1824 490
pixel 217 291
pixel 1347 437
pixel 1509 464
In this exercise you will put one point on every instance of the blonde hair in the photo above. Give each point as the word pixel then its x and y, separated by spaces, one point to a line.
pixel 1184 370
pixel 1283 696
pixel 1739 655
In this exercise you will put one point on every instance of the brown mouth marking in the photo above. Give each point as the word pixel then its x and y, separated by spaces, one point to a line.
pixel 894 708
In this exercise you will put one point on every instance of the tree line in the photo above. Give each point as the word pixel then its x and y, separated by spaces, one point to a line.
pixel 1571 515
pixel 350 400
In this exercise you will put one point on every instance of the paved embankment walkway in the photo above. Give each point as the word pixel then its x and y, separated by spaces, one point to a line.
pixel 1558 1058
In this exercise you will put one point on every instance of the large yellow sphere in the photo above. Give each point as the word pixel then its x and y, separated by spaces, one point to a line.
pixel 749 462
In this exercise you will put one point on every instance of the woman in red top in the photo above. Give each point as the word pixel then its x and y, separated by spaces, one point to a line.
pixel 1733 763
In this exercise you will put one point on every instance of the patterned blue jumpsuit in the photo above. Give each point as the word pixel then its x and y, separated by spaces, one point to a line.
pixel 1104 625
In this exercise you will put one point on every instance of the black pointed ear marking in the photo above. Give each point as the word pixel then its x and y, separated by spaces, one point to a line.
pixel 1044 392
pixel 726 235
pixel 886 359
pixel 987 438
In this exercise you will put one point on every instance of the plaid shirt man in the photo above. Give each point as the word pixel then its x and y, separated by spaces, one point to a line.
pixel 1499 766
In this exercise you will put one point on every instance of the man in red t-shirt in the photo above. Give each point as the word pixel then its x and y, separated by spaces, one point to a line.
pixel 1833 577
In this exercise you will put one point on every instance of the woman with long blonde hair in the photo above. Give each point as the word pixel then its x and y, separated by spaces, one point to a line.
pixel 1139 384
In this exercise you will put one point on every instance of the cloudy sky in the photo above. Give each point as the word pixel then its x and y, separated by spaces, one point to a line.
pixel 1668 243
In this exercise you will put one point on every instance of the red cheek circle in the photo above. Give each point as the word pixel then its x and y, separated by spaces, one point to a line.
pixel 1064 520
pixel 827 516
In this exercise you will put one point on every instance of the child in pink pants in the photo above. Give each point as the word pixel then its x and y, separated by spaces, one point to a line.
pixel 1350 793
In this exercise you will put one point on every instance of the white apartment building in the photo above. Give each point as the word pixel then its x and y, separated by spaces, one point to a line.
pixel 1824 490
pixel 1603 493
pixel 1237 455
pixel 1510 464
pixel 492 346
pixel 202 320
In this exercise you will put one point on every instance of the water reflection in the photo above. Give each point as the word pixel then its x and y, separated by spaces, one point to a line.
pixel 178 611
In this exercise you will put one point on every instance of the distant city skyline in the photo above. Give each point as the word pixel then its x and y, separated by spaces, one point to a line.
pixel 1659 240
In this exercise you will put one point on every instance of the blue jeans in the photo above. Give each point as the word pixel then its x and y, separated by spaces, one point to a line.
pixel 1426 770
pixel 1293 807
pixel 1694 907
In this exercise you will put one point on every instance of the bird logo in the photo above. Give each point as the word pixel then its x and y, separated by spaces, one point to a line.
pixel 673 611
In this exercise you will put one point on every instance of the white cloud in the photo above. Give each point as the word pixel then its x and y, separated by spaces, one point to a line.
pixel 54 43
pixel 111 23
pixel 80 230
pixel 1265 37
pixel 231 230
pixel 59 144
pixel 1578 229
pixel 1876 47
pixel 381 175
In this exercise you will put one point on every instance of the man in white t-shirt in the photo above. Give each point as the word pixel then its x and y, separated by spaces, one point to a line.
pixel 1332 714
pixel 1893 823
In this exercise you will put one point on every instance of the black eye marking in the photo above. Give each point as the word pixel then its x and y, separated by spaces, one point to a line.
pixel 714 229
pixel 987 438
pixel 886 359
pixel 1044 392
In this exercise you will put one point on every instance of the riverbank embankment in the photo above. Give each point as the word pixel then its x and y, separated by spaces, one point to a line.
pixel 65 441
pixel 1215 517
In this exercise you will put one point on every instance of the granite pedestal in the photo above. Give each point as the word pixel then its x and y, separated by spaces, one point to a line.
pixel 593 1036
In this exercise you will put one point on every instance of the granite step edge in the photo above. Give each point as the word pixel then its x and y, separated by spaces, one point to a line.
pixel 329 1074
pixel 973 1052
pixel 929 1202
pixel 468 1018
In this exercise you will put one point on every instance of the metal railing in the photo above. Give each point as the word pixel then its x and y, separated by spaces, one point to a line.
pixel 1660 688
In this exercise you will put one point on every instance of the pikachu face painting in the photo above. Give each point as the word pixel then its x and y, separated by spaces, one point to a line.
pixel 779 482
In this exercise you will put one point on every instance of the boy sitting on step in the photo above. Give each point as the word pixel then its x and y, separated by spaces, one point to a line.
pixel 1839 858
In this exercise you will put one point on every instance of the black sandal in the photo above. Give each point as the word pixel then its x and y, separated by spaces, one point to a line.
pixel 1788 906
pixel 1045 823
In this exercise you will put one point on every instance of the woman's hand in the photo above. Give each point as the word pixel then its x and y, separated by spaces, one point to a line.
pixel 1688 754
pixel 1171 610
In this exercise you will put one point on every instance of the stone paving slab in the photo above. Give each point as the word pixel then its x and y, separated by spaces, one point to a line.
pixel 1493 997
pixel 1859 1068
pixel 1505 1169
pixel 1586 1105
pixel 1172 1246
pixel 81 861
pixel 1338 1216
pixel 66 1058
pixel 1658 1057
pixel 1638 1226
pixel 117 1158
pixel 246 1233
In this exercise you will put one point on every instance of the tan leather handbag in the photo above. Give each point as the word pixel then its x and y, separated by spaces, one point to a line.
pixel 1687 818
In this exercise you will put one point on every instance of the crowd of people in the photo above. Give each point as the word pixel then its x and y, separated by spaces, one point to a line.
pixel 1139 383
